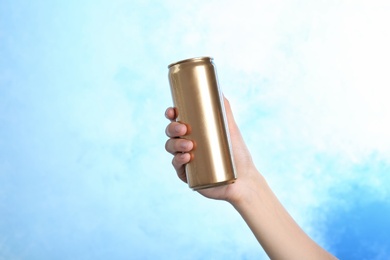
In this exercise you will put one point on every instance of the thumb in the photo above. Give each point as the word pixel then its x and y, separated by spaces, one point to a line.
pixel 233 128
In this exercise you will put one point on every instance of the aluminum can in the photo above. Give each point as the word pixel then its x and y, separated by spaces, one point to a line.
pixel 199 104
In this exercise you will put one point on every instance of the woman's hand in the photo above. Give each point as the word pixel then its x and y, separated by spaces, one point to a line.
pixel 180 148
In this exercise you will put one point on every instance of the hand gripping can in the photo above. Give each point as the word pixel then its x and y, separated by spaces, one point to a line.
pixel 199 105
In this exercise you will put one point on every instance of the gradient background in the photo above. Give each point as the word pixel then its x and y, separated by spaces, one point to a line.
pixel 83 90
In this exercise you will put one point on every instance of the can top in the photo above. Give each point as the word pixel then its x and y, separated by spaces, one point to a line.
pixel 204 58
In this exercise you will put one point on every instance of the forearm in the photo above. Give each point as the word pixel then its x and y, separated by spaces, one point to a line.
pixel 274 228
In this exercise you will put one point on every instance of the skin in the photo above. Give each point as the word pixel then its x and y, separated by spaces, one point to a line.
pixel 250 195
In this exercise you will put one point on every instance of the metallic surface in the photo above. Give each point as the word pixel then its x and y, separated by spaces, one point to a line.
pixel 199 104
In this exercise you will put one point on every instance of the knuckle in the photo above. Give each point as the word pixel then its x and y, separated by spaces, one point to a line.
pixel 167 112
pixel 167 145
pixel 175 162
pixel 167 131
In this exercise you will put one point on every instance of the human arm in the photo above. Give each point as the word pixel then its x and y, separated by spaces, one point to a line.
pixel 250 195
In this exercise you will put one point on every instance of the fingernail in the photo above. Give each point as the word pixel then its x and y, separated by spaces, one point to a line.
pixel 184 145
pixel 178 128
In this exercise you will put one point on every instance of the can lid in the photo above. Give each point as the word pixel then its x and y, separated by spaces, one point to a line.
pixel 203 58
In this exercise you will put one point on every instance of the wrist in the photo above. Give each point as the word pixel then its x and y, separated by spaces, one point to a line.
pixel 245 189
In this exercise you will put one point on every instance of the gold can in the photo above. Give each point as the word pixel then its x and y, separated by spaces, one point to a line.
pixel 199 105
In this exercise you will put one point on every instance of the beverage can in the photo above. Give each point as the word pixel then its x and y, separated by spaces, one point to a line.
pixel 198 103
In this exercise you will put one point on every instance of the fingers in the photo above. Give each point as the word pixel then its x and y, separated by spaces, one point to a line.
pixel 178 145
pixel 178 162
pixel 228 109
pixel 233 128
pixel 175 145
pixel 170 113
pixel 176 129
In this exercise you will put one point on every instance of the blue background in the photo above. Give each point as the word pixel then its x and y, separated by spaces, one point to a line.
pixel 83 90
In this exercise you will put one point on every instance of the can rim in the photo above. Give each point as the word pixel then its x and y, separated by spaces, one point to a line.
pixel 190 60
